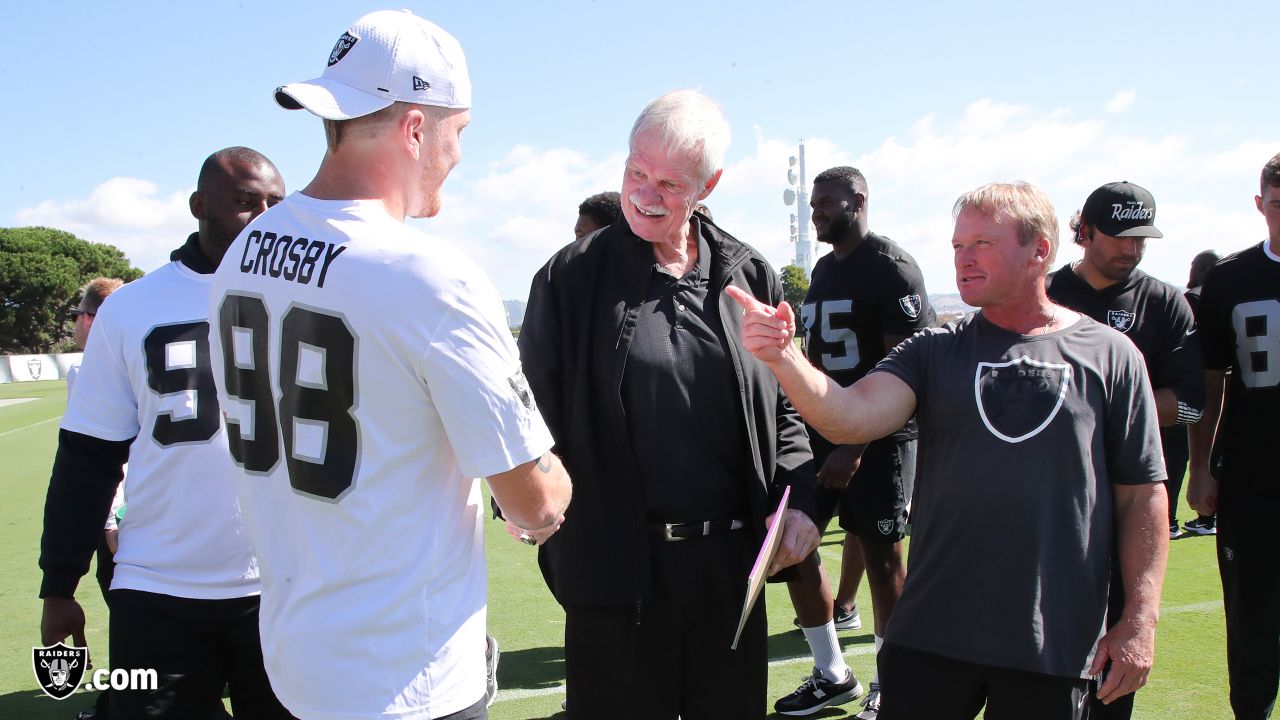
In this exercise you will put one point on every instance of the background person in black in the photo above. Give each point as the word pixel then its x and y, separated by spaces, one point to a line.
pixel 599 210
pixel 1240 329
pixel 1107 285
pixel 1200 264
pixel 867 295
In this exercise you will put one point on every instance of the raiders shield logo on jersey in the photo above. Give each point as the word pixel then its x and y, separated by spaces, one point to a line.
pixel 342 47
pixel 35 366
pixel 910 305
pixel 1019 398
pixel 520 386
pixel 1121 320
pixel 59 668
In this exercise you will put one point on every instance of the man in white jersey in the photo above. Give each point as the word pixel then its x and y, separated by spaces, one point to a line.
pixel 184 598
pixel 367 376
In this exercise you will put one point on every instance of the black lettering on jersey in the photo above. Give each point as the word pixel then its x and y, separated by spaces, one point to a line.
pixel 178 360
pixel 287 257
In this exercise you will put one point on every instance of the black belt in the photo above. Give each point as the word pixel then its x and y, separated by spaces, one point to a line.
pixel 675 532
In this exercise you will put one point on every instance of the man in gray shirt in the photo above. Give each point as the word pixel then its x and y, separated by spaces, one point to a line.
pixel 1043 422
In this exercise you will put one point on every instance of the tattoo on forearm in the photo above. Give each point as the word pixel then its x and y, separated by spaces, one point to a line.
pixel 544 463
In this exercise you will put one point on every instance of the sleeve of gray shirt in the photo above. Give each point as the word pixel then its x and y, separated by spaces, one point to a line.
pixel 1132 429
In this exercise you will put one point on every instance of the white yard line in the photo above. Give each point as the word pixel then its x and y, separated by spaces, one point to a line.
pixel 28 427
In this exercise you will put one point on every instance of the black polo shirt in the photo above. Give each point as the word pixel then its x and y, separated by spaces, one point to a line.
pixel 683 408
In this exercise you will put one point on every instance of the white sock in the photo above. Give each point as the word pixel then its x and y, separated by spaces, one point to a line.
pixel 879 642
pixel 827 658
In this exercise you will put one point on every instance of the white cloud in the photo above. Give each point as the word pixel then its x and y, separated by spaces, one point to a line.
pixel 129 213
pixel 512 215
pixel 1121 101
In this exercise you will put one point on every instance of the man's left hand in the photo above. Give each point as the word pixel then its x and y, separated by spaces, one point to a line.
pixel 1130 647
pixel 799 538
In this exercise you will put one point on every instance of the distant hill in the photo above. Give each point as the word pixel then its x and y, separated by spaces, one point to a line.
pixel 515 312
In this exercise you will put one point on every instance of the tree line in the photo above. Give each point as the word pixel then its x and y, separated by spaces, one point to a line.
pixel 41 272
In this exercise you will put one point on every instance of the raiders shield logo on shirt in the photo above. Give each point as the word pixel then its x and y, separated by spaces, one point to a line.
pixel 1019 398
pixel 910 305
pixel 520 386
pixel 59 668
pixel 1121 320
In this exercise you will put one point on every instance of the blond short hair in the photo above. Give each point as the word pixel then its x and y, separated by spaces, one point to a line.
pixel 1021 203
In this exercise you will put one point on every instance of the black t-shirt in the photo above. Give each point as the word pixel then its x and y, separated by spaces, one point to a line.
pixel 682 403
pixel 1156 318
pixel 852 303
pixel 1240 328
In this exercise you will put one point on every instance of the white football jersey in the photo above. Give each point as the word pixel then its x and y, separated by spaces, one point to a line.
pixel 146 375
pixel 367 375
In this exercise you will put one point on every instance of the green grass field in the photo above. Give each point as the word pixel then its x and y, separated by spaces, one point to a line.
pixel 1189 679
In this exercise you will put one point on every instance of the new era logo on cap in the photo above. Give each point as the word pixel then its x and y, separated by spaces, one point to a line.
pixel 1121 209
pixel 385 57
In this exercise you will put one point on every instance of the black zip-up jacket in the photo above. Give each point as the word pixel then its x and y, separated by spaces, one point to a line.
pixel 577 332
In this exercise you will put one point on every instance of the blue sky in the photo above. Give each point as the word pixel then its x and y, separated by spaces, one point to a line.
pixel 111 107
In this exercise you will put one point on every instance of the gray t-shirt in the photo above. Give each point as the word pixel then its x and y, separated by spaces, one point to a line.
pixel 1021 439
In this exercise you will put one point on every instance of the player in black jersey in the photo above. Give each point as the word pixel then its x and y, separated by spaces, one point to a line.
pixel 1240 332
pixel 866 296
pixel 1200 264
pixel 1107 285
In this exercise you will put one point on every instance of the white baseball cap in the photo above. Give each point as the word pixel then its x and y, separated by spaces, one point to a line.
pixel 385 57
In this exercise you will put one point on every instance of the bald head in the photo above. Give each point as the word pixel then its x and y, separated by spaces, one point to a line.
pixel 235 186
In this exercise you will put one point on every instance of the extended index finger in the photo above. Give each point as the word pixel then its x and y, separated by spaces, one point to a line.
pixel 744 299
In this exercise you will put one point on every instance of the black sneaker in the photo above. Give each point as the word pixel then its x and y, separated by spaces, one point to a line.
pixel 1203 525
pixel 844 620
pixel 816 693
pixel 1174 532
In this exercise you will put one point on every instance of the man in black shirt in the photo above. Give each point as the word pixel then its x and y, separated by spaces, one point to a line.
pixel 1107 285
pixel 1240 328
pixel 867 296
pixel 680 444
pixel 1200 264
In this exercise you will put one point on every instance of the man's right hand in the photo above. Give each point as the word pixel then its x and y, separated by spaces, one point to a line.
pixel 766 330
pixel 1202 492
pixel 841 465
pixel 62 617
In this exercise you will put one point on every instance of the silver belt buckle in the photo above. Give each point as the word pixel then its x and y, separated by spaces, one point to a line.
pixel 666 531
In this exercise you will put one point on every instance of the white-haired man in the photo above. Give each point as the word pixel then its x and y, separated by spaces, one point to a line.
pixel 680 444
pixel 1032 415
pixel 367 375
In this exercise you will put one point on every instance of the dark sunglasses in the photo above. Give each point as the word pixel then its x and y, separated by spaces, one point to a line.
pixel 75 314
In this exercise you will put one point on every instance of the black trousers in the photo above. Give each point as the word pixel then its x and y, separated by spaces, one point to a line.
pixel 671 657
pixel 197 648
pixel 1249 563
pixel 923 686
pixel 1173 441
